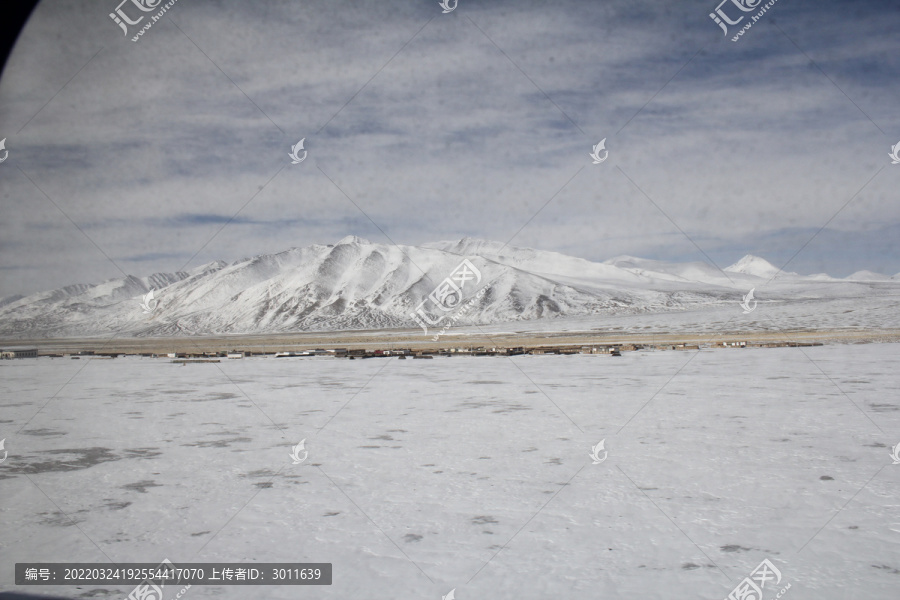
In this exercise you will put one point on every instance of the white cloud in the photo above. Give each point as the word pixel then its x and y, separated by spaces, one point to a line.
pixel 150 148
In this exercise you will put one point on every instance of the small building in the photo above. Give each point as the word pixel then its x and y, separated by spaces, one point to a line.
pixel 735 344
pixel 18 352
pixel 596 349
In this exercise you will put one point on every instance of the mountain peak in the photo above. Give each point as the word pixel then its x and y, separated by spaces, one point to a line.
pixel 352 239
pixel 754 265
pixel 865 275
pixel 469 245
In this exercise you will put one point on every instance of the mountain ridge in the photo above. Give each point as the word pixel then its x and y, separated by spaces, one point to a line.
pixel 357 284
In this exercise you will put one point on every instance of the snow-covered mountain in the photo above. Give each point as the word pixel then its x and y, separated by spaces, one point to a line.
pixel 356 284
pixel 754 265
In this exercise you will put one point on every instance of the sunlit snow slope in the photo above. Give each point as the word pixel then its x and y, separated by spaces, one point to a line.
pixel 356 284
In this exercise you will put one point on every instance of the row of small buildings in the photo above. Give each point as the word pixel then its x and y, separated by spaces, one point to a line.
pixel 18 352
pixel 356 353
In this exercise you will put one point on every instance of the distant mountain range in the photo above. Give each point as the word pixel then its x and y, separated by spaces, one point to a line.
pixel 356 284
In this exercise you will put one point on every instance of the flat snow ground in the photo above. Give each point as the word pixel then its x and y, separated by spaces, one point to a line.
pixel 466 473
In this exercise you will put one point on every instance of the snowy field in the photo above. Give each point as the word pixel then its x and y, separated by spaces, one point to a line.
pixel 466 473
pixel 877 311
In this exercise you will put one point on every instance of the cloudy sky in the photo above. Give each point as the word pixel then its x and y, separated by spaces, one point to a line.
pixel 421 126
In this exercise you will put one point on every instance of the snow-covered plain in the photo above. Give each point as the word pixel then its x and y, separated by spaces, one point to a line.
pixel 466 473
